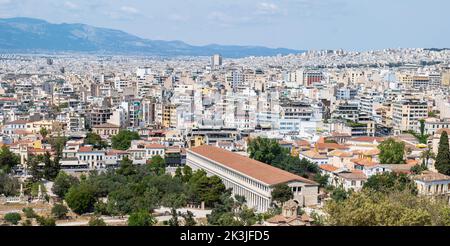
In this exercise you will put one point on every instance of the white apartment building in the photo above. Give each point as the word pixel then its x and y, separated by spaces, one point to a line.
pixel 407 113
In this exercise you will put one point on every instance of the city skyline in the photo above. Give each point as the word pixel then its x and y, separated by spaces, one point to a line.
pixel 304 25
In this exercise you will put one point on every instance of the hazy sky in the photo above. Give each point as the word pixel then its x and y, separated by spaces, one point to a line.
pixel 299 24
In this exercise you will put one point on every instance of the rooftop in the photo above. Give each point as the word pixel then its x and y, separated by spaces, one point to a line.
pixel 428 176
pixel 252 168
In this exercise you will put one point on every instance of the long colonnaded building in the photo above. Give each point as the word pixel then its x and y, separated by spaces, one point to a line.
pixel 250 178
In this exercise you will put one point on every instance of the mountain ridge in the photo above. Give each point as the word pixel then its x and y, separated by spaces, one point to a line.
pixel 23 34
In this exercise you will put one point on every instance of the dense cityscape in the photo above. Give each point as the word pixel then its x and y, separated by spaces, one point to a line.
pixel 330 137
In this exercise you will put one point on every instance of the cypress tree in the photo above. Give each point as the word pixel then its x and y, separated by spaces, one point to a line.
pixel 443 157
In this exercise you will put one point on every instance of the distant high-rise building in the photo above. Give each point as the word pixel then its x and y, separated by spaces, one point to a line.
pixel 216 60
pixel 49 61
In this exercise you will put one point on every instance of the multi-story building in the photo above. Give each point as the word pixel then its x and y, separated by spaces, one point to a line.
pixel 407 113
pixel 250 178
pixel 98 116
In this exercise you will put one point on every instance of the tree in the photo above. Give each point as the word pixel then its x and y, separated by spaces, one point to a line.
pixel 62 184
pixel 142 218
pixel 126 167
pixel 29 213
pixel 174 220
pixel 96 221
pixel 44 132
pixel 51 167
pixel 35 170
pixel 204 188
pixel 174 200
pixel 421 137
pixel 12 218
pixel 247 216
pixel 264 149
pixel 187 173
pixel 389 182
pixel 398 208
pixel 59 211
pixel 45 221
pixel 339 194
pixel 189 219
pixel 122 141
pixel 80 198
pixel 418 169
pixel 392 152
pixel 95 140
pixel 9 186
pixel 282 193
pixel 8 160
pixel 322 180
pixel 158 164
pixel 442 163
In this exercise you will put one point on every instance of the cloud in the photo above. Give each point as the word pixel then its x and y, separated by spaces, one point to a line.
pixel 70 5
pixel 268 8
pixel 129 10
pixel 4 2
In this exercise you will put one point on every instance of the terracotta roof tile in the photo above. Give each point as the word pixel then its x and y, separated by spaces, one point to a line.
pixel 328 168
pixel 255 169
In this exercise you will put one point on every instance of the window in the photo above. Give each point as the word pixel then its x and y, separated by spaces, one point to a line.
pixel 353 183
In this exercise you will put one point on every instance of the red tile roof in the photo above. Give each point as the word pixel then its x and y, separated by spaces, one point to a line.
pixel 154 146
pixel 331 146
pixel 328 168
pixel 85 149
pixel 252 168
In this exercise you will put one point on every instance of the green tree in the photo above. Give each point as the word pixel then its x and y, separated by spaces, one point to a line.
pixel 247 216
pixel 264 149
pixel 122 141
pixel 282 193
pixel 29 213
pixel 34 169
pixel 421 136
pixel 398 208
pixel 44 132
pixel 80 198
pixel 174 220
pixel 96 221
pixel 59 211
pixel 392 152
pixel 9 186
pixel 389 182
pixel 142 218
pixel 339 194
pixel 62 184
pixel 51 167
pixel 158 165
pixel 95 140
pixel 418 169
pixel 189 219
pixel 8 160
pixel 45 221
pixel 174 200
pixel 126 167
pixel 442 163
pixel 187 173
pixel 12 218
pixel 322 180
pixel 204 188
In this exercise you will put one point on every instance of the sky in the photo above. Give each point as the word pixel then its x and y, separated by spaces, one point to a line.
pixel 296 24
